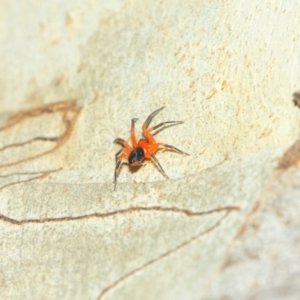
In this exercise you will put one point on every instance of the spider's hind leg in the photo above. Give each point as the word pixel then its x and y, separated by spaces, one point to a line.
pixel 151 116
pixel 164 124
pixel 171 148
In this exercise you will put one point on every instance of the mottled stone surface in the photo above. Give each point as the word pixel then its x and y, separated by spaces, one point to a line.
pixel 226 223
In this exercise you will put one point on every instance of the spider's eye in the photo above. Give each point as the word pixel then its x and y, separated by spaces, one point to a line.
pixel 136 157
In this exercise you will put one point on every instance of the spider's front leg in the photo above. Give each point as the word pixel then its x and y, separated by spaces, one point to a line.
pixel 119 162
pixel 120 156
pixel 132 133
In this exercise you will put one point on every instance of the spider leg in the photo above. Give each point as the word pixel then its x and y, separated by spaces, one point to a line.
pixel 132 133
pixel 119 162
pixel 120 156
pixel 117 169
pixel 117 154
pixel 164 124
pixel 149 119
pixel 146 132
pixel 157 164
pixel 172 148
pixel 123 143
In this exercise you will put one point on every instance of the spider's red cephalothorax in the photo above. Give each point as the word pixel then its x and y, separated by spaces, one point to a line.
pixel 144 148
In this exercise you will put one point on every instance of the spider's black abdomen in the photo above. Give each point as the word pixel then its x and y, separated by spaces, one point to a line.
pixel 137 156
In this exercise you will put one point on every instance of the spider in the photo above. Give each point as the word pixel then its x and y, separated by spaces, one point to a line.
pixel 145 148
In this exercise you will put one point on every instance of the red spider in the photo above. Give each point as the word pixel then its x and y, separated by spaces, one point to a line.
pixel 145 148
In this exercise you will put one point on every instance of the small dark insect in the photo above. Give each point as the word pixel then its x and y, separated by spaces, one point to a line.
pixel 296 97
pixel 145 148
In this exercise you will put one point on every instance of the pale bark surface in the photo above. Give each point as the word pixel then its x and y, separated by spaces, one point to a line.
pixel 226 223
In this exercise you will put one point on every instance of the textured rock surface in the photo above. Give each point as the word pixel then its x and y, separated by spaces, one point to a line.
pixel 226 224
